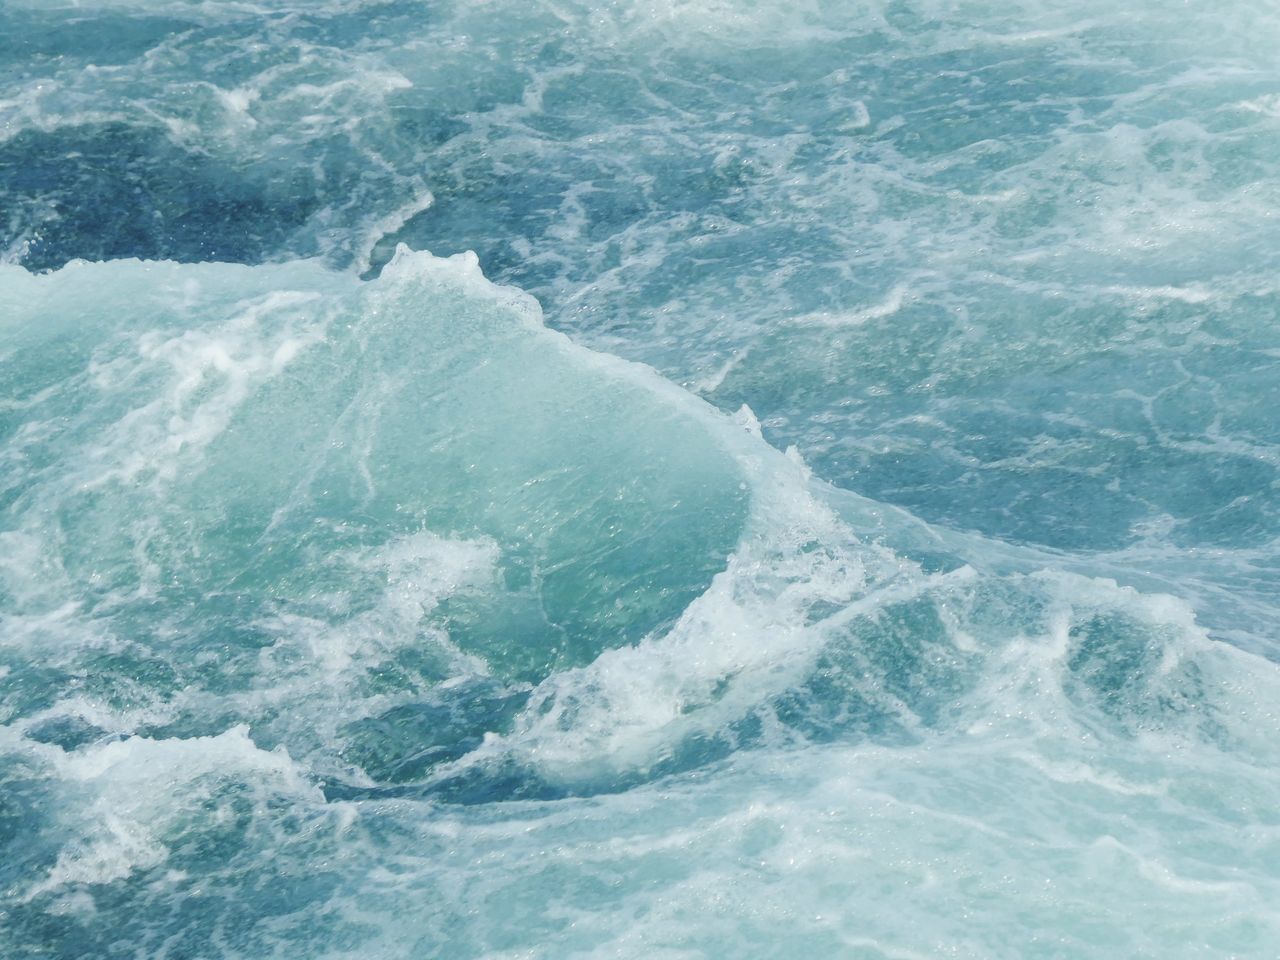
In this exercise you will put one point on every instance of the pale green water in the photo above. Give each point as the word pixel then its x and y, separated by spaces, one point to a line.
pixel 354 606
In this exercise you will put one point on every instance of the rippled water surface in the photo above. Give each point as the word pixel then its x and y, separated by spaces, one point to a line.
pixel 819 495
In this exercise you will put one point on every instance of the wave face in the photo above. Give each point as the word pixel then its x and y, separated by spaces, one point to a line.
pixel 359 601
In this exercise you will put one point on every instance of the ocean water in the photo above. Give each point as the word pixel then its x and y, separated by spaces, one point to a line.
pixel 706 479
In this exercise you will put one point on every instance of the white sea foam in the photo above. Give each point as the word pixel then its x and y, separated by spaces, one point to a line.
pixel 1024 246
pixel 134 791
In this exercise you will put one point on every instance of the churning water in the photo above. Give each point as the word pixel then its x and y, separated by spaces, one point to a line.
pixel 834 512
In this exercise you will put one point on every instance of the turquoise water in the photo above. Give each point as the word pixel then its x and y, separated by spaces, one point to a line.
pixel 818 495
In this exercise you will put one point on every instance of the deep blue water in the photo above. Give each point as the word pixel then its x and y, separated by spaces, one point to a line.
pixel 696 479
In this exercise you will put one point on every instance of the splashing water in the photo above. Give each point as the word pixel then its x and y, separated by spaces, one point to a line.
pixel 357 601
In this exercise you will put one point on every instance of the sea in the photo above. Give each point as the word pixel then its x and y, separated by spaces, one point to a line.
pixel 657 479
